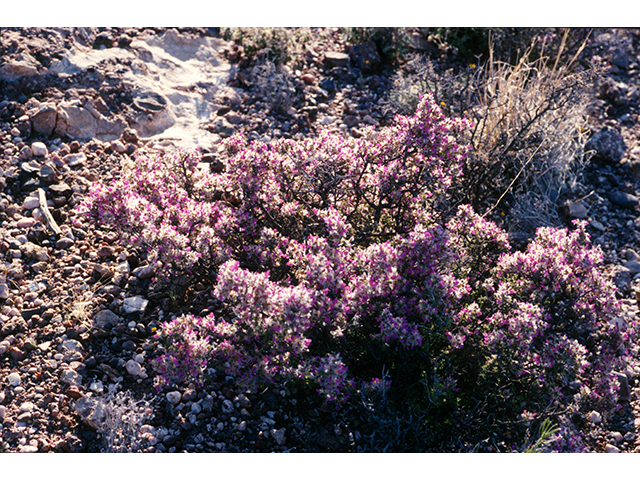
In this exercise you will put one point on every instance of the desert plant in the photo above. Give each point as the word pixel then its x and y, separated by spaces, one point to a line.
pixel 275 44
pixel 334 257
pixel 529 134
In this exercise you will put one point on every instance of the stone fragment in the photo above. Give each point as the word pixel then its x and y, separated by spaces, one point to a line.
pixel 145 271
pixel 611 448
pixel 39 149
pixel 92 411
pixel 624 392
pixel 174 397
pixel 105 319
pixel 4 294
pixel 623 199
pixel 336 59
pixel 133 368
pixel 71 377
pixel 14 379
pixel 64 243
pixel 30 203
pixel 595 417
pixel 621 277
pixel 43 121
pixel 135 304
pixel 279 435
pixel 633 266
pixel 73 392
pixel 608 145
pixel 575 210
pixel 74 159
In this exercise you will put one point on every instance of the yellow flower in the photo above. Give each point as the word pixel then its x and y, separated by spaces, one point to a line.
pixel 472 65
pixel 443 104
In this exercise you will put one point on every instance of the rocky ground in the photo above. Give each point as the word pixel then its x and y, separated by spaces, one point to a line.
pixel 77 321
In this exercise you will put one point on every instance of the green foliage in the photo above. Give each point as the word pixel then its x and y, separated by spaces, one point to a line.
pixel 546 435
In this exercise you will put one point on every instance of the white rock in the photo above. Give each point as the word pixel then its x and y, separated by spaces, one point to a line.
pixel 27 407
pixel 174 397
pixel 595 417
pixel 14 379
pixel 118 146
pixel 30 203
pixel 4 346
pixel 39 149
pixel 134 304
pixel 133 368
pixel 3 411
pixel 611 448
pixel 617 437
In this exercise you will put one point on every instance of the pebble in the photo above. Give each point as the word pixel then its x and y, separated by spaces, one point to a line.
pixel 3 411
pixel 30 203
pixel 134 304
pixel 173 397
pixel 595 417
pixel 39 149
pixel 611 448
pixel 133 368
pixel 279 435
pixel 14 379
pixel 227 406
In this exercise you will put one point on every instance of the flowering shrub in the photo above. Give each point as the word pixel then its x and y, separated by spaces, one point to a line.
pixel 337 259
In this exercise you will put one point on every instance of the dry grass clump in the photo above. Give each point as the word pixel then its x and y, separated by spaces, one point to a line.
pixel 276 44
pixel 529 135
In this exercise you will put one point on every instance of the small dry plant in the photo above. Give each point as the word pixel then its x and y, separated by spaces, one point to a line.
pixel 529 134
pixel 123 418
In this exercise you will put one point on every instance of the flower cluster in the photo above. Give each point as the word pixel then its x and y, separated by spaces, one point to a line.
pixel 334 261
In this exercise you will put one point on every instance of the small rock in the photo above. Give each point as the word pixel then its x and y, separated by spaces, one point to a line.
pixel 71 377
pixel 3 411
pixel 227 406
pixel 14 379
pixel 174 397
pixel 135 304
pixel 624 392
pixel 608 145
pixel 279 435
pixel 105 318
pixel 133 368
pixel 623 199
pixel 26 153
pixel 118 146
pixel 4 294
pixel 595 417
pixel 92 410
pixel 64 243
pixel 39 149
pixel 611 448
pixel 633 266
pixel 621 277
pixel 576 210
pixel 146 271
pixel 336 59
pixel 44 120
pixel 75 159
pixel 30 203
pixel 73 392
pixel 617 437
